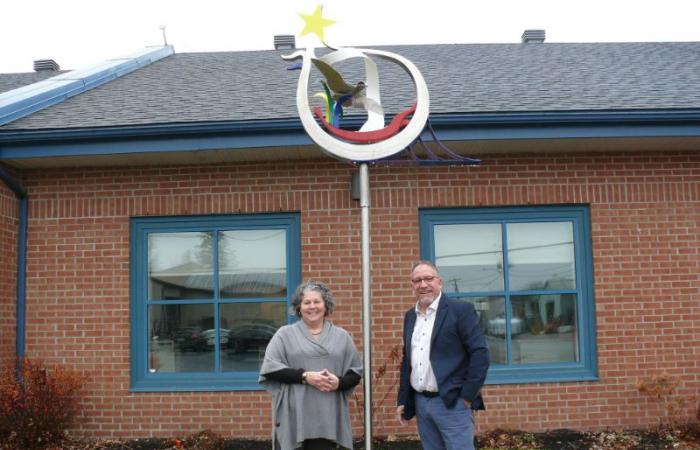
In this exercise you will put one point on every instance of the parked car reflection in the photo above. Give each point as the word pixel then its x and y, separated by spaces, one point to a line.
pixel 497 326
pixel 250 337
pixel 194 338
pixel 210 336
pixel 190 339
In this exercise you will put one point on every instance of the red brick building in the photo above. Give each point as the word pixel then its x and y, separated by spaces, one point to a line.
pixel 175 202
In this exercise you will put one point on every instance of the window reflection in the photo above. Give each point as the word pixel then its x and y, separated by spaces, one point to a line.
pixel 491 312
pixel 535 305
pixel 541 256
pixel 250 326
pixel 547 329
pixel 184 337
pixel 252 263
pixel 180 266
pixel 470 257
pixel 181 338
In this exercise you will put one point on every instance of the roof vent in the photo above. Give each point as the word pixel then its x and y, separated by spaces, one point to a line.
pixel 41 65
pixel 533 37
pixel 285 42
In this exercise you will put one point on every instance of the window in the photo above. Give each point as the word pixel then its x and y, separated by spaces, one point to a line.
pixel 207 294
pixel 528 273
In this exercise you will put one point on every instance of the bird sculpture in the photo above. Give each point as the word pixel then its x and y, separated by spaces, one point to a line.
pixel 344 93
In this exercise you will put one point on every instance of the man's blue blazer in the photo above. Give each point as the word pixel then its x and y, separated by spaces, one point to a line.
pixel 458 355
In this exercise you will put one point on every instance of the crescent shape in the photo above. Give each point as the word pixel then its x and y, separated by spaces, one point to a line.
pixel 364 152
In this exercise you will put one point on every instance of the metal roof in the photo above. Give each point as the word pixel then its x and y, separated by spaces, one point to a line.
pixel 10 81
pixel 26 100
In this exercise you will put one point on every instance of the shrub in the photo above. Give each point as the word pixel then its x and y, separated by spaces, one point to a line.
pixel 678 422
pixel 391 369
pixel 204 440
pixel 37 404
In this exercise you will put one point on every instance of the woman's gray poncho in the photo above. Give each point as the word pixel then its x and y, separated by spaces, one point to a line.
pixel 300 411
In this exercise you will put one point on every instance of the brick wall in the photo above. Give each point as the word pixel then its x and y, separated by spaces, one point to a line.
pixel 8 273
pixel 644 211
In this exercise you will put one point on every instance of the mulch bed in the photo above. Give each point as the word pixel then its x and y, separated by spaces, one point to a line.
pixel 677 438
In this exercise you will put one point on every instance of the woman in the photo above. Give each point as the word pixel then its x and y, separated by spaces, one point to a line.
pixel 311 367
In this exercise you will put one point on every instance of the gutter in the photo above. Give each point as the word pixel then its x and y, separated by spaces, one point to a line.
pixel 459 120
pixel 21 194
pixel 236 134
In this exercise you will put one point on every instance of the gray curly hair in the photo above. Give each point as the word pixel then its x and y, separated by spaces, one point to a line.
pixel 316 286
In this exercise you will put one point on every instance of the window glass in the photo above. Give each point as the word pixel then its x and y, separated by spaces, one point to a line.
pixel 208 293
pixel 470 257
pixel 249 327
pixel 546 329
pixel 180 266
pixel 181 338
pixel 528 273
pixel 252 263
pixel 492 313
pixel 541 256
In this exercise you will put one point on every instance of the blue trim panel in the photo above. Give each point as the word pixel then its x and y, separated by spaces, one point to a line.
pixel 587 367
pixel 21 288
pixel 141 146
pixel 26 100
pixel 141 379
pixel 285 132
pixel 22 278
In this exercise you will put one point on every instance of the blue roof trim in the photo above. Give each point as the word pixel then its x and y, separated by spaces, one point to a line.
pixel 180 144
pixel 26 100
pixel 285 132
pixel 568 125
pixel 630 115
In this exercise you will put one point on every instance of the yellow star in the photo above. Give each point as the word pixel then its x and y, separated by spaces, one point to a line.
pixel 315 23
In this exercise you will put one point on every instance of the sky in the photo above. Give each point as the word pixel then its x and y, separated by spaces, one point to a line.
pixel 80 33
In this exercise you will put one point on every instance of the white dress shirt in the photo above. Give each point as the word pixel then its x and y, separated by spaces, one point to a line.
pixel 422 376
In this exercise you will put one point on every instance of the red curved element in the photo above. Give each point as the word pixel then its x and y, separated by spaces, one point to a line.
pixel 367 137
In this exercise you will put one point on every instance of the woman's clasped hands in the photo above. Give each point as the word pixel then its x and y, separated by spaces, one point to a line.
pixel 323 380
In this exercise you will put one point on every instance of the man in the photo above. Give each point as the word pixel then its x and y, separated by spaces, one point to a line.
pixel 445 360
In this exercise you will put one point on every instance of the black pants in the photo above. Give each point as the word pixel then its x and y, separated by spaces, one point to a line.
pixel 313 444
pixel 318 444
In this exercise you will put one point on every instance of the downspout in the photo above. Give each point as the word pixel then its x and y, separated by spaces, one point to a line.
pixel 21 194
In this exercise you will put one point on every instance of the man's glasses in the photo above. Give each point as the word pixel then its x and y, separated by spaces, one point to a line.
pixel 418 281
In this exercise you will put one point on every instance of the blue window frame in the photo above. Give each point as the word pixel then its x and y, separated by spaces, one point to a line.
pixel 207 293
pixel 528 273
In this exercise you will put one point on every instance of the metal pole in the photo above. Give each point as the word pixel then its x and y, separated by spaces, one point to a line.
pixel 366 308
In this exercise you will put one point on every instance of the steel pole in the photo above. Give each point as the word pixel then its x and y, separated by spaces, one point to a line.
pixel 366 308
